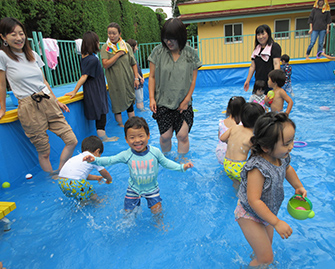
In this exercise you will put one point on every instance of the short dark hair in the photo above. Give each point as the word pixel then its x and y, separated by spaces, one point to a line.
pixel 115 25
pixel 7 26
pixel 174 28
pixel 90 43
pixel 136 123
pixel 91 144
pixel 268 130
pixel 278 76
pixel 250 113
pixel 263 28
pixel 285 58
pixel 259 84
pixel 234 106
pixel 132 43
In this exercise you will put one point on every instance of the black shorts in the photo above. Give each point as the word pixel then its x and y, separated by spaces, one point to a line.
pixel 167 118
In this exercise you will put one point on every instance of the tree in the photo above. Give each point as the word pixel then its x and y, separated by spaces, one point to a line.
pixel 161 11
pixel 9 8
pixel 38 15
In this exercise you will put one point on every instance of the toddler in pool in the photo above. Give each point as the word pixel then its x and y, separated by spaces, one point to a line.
pixel 233 117
pixel 74 175
pixel 238 141
pixel 261 192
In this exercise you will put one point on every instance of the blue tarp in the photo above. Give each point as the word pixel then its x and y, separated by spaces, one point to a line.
pixel 19 157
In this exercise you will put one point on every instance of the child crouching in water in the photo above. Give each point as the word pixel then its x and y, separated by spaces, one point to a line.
pixel 233 117
pixel 143 163
pixel 261 192
pixel 74 174
pixel 238 141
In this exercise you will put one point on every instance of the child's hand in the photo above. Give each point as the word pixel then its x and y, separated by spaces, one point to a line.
pixel 283 229
pixel 188 165
pixel 89 159
pixel 109 181
pixel 301 191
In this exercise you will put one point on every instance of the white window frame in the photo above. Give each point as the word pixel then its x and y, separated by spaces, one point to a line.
pixel 295 28
pixel 234 41
pixel 289 27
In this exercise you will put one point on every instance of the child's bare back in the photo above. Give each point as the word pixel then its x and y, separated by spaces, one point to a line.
pixel 239 142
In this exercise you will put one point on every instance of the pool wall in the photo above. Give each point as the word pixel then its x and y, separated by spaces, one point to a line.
pixel 19 157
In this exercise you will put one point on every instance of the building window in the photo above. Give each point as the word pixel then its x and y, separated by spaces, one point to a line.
pixel 233 33
pixel 282 28
pixel 301 27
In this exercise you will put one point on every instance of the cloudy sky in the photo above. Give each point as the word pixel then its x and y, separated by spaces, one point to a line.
pixel 153 4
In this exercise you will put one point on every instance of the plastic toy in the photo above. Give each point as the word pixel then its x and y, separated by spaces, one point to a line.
pixel 299 144
pixel 270 95
pixel 6 185
pixel 294 208
pixel 300 208
pixel 29 176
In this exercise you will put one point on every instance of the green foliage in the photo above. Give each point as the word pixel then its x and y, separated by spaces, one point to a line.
pixel 70 19
pixel 37 14
pixel 192 30
pixel 9 8
pixel 146 26
pixel 69 22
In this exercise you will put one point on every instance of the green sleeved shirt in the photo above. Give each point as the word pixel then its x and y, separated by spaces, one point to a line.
pixel 120 79
pixel 173 79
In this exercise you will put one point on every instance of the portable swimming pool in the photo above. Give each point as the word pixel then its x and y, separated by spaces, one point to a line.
pixel 50 231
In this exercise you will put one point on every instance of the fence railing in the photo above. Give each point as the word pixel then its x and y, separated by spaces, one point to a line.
pixel 238 49
pixel 221 50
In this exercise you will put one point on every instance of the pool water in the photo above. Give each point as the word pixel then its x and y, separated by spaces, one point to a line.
pixel 51 231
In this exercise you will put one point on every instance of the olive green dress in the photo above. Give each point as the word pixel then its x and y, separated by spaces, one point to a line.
pixel 120 79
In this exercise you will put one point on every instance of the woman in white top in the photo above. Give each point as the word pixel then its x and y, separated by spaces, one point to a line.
pixel 38 109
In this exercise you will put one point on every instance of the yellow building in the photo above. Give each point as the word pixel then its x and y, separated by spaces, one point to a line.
pixel 226 28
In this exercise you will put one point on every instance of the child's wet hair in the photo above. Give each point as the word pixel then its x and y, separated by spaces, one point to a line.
pixel 136 123
pixel 234 108
pixel 91 144
pixel 259 84
pixel 278 76
pixel 250 112
pixel 267 131
pixel 285 58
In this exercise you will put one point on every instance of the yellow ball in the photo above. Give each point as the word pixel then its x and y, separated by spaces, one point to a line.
pixel 6 185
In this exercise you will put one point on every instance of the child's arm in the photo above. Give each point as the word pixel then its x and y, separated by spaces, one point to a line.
pixel 288 100
pixel 106 175
pixel 254 193
pixel 94 177
pixel 80 83
pixel 224 137
pixel 293 179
